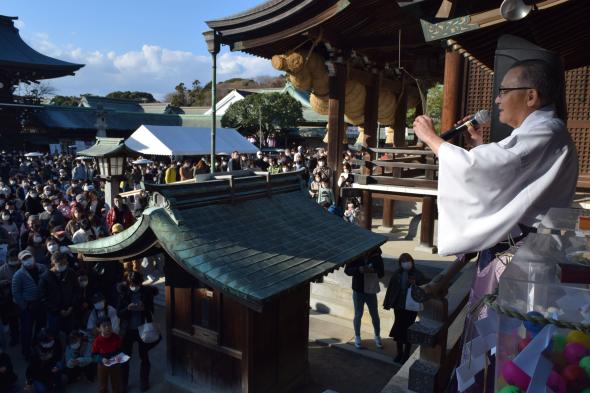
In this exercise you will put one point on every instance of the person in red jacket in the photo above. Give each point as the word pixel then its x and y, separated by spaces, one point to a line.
pixel 105 347
pixel 119 214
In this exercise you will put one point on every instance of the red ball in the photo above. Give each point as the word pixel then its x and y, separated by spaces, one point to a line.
pixel 515 376
pixel 575 377
pixel 573 352
pixel 556 383
pixel 523 343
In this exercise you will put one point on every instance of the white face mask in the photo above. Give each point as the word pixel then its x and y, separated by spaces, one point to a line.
pixel 6 217
pixel 48 208
pixel 134 289
pixel 406 265
pixel 83 283
pixel 62 268
pixel 48 193
pixel 285 170
pixel 99 305
pixel 64 249
pixel 37 239
pixel 75 345
pixel 52 248
pixel 321 164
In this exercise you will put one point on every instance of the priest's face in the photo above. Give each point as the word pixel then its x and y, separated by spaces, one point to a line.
pixel 513 99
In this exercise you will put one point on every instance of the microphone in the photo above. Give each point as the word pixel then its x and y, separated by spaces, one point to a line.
pixel 481 117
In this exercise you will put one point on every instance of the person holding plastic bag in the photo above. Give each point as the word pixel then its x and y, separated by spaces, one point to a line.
pixel 136 309
pixel 404 308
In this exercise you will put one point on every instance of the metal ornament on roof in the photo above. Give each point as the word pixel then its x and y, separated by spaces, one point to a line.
pixel 513 10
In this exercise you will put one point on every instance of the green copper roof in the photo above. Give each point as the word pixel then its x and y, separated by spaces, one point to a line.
pixel 106 147
pixel 251 237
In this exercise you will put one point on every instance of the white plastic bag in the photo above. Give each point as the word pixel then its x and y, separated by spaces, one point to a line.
pixel 148 332
pixel 411 304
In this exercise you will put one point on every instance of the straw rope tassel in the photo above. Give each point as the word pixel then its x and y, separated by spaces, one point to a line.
pixel 389 135
pixel 362 138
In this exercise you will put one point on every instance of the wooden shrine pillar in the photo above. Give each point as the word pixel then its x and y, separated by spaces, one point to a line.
pixel 451 89
pixel 371 112
pixel 336 125
pixel 367 209
pixel 399 125
pixel 388 209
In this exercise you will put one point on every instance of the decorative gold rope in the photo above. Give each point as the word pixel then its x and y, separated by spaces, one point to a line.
pixel 490 301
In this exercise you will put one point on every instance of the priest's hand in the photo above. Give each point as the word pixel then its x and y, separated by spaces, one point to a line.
pixel 473 136
pixel 424 129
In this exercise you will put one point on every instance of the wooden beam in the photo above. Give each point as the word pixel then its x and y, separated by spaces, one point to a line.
pixel 367 209
pixel 451 89
pixel 371 112
pixel 427 227
pixel 336 124
pixel 388 207
pixel 456 26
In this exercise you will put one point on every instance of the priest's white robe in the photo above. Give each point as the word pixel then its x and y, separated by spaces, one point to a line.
pixel 484 193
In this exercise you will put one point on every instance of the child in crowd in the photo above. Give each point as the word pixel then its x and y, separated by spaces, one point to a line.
pixel 105 346
pixel 78 357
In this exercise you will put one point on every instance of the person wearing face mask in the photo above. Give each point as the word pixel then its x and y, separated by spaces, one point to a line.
pixel 274 167
pixel 323 169
pixel 11 228
pixel 33 202
pixel 50 214
pixel 45 370
pixel 406 275
pixel 59 294
pixel 136 307
pixel 83 234
pixel 26 294
pixel 9 312
pixel 79 172
pixel 78 358
pixel 346 178
pixel 36 245
pixel 186 171
pixel 59 235
pixel 100 309
pixel 366 272
pixel 14 212
pixel 86 289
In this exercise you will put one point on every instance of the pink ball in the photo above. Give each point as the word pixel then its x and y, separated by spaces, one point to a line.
pixel 515 376
pixel 557 383
pixel 573 352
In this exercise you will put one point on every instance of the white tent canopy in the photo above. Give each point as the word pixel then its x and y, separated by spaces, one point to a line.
pixel 186 141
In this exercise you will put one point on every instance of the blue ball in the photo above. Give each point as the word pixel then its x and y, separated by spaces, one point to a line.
pixel 531 327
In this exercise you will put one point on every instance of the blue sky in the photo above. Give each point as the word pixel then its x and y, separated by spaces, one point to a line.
pixel 147 45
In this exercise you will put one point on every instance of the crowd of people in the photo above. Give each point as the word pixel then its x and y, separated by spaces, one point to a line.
pixel 67 316
pixel 58 309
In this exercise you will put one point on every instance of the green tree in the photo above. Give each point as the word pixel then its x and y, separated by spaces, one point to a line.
pixel 65 100
pixel 132 95
pixel 434 98
pixel 180 95
pixel 263 113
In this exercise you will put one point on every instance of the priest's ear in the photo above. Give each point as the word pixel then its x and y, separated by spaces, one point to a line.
pixel 533 99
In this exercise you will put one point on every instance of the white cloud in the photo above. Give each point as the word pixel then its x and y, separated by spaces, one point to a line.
pixel 151 68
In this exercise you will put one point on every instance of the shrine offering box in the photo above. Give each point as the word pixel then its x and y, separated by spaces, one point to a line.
pixel 543 336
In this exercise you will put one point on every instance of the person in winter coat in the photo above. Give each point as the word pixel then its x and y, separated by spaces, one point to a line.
pixel 78 357
pixel 119 214
pixel 366 272
pixel 136 307
pixel 59 295
pixel 26 294
pixel 406 275
pixel 44 373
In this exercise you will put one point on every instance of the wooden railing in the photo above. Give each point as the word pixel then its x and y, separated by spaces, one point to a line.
pixel 439 330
